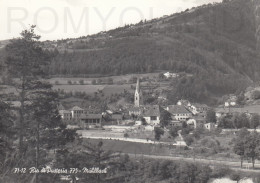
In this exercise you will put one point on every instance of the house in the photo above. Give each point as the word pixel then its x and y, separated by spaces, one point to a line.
pixel 90 120
pixel 198 108
pixel 231 101
pixel 170 75
pixel 175 123
pixel 77 112
pixel 65 115
pixel 136 111
pixel 152 114
pixel 191 122
pixel 196 122
pixel 179 112
pixel 209 126
pixel 117 116
pixel 185 103
pixel 223 111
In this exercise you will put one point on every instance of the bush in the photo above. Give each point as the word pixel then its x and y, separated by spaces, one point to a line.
pixel 69 82
pixel 93 82
pixel 126 135
pixel 189 140
pixel 220 172
pixel 256 94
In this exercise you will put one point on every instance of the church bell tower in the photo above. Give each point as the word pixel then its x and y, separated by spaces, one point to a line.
pixel 138 95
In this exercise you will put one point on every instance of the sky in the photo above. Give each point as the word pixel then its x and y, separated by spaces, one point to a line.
pixel 61 19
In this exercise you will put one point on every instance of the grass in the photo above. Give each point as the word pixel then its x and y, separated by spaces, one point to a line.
pixel 132 147
pixel 5 89
pixel 112 89
pixel 64 80
pixel 107 90
pixel 89 89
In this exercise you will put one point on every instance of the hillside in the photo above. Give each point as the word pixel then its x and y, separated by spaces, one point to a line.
pixel 216 43
pixel 219 37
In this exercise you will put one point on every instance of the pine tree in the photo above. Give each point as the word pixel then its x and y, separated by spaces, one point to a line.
pixel 25 60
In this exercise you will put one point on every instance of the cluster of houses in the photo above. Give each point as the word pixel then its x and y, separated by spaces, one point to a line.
pixel 183 111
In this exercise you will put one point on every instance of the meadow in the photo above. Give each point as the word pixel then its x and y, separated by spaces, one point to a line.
pixel 107 90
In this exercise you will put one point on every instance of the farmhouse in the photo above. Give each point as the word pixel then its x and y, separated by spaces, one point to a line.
pixel 209 126
pixel 65 115
pixel 152 114
pixel 196 122
pixel 170 75
pixel 175 123
pixel 117 116
pixel 90 120
pixel 198 108
pixel 179 112
pixel 136 111
pixel 185 103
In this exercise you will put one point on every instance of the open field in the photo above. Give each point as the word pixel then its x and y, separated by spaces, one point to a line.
pixel 132 147
pixel 89 89
pixel 5 89
pixel 64 80
pixel 107 90
pixel 111 89
pixel 159 151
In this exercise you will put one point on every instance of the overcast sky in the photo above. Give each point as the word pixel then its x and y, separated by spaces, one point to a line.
pixel 57 19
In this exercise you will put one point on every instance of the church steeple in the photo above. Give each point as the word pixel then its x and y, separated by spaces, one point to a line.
pixel 138 94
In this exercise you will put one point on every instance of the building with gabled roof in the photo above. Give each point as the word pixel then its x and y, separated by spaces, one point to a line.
pixel 76 112
pixel 66 115
pixel 179 112
pixel 152 114
pixel 198 108
pixel 90 120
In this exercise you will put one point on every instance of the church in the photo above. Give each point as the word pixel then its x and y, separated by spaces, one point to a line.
pixel 138 95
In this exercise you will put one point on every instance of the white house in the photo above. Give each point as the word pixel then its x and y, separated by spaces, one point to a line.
pixel 198 108
pixel 209 126
pixel 171 75
pixel 185 103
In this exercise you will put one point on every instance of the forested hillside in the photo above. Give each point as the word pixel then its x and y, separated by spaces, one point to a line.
pixel 217 43
pixel 219 38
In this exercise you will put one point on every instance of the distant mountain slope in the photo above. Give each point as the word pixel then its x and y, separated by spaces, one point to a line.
pixel 214 37
pixel 216 43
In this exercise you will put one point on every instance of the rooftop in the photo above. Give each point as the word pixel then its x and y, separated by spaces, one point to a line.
pixel 76 108
pixel 152 110
pixel 64 112
pixel 177 109
pixel 91 116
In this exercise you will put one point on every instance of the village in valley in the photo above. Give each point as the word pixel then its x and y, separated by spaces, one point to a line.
pixel 138 118
pixel 147 123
